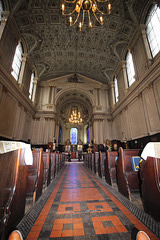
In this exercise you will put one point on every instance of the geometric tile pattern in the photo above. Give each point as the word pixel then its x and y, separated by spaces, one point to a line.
pixel 115 225
pixel 67 228
pixel 75 211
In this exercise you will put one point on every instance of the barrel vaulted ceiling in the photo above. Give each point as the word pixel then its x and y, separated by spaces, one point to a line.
pixel 57 49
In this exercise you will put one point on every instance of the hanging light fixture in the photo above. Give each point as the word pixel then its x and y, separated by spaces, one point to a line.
pixel 75 117
pixel 86 6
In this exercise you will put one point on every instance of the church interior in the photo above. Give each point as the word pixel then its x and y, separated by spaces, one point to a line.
pixel 80 93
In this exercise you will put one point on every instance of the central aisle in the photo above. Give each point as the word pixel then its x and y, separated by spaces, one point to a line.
pixel 80 207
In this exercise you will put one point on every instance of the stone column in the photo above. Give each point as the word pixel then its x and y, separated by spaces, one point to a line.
pixel 34 89
pixel 95 131
pixel 125 75
pixel 57 133
pixel 20 80
pixel 112 92
pixel 101 130
pixel 146 45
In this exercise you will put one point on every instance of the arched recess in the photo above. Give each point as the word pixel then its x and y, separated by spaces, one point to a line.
pixel 65 102
pixel 77 91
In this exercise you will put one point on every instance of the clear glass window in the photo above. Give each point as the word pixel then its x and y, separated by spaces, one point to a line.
pixel 17 61
pixel 153 29
pixel 116 94
pixel 31 86
pixel 1 11
pixel 130 69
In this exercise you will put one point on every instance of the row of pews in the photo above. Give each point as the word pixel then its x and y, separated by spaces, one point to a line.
pixel 19 180
pixel 117 167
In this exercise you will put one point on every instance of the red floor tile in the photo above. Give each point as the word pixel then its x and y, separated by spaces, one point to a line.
pixel 82 194
pixel 64 209
pixel 97 207
pixel 79 187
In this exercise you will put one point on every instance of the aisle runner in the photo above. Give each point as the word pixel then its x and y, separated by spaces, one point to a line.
pixel 80 208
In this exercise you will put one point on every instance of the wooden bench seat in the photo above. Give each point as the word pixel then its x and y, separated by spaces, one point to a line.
pixel 97 163
pixel 128 180
pixel 150 186
pixel 102 159
pixel 93 164
pixel 47 168
pixel 53 165
pixel 35 175
pixel 13 180
pixel 110 167
pixel 89 160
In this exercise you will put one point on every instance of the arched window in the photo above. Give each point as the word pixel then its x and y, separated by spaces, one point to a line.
pixel 17 61
pixel 130 69
pixel 116 94
pixel 1 10
pixel 153 29
pixel 73 135
pixel 31 86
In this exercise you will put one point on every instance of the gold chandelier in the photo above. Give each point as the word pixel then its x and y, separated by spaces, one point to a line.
pixel 86 6
pixel 75 117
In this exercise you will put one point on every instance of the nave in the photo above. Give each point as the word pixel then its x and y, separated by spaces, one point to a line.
pixel 79 205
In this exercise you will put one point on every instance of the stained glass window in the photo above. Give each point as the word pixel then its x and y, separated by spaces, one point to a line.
pixel 73 135
pixel 59 137
pixel 88 134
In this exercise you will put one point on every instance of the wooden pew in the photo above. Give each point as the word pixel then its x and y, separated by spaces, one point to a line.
pixel 60 161
pixel 150 186
pixel 110 167
pixel 47 168
pixel 35 175
pixel 127 179
pixel 102 159
pixel 90 161
pixel 85 159
pixel 63 159
pixel 97 163
pixel 53 165
pixel 93 163
pixel 13 180
pixel 57 162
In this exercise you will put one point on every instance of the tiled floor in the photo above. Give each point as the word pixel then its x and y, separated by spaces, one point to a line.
pixel 77 205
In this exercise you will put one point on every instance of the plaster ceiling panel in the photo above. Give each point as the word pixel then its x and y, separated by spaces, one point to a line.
pixel 57 49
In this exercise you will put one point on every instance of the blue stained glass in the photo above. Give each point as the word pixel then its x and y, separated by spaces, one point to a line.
pixel 73 135
pixel 87 134
pixel 59 137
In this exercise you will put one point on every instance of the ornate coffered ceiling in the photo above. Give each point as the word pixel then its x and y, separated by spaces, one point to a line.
pixel 57 49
